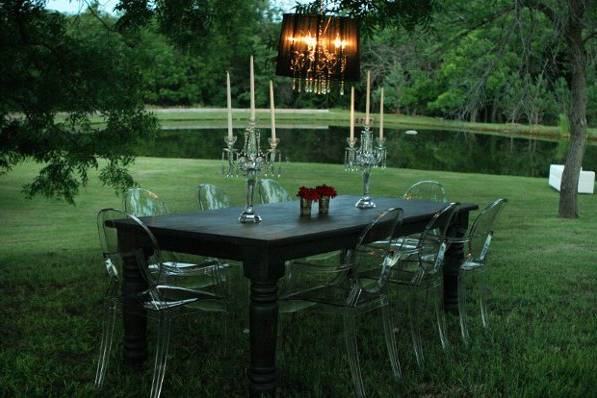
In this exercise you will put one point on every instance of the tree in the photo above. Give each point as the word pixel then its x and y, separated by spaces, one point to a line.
pixel 69 101
pixel 573 26
pixel 578 25
pixel 74 88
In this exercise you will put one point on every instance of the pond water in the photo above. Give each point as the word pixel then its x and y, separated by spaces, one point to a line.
pixel 427 150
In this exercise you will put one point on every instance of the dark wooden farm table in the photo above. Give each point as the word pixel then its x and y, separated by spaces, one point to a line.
pixel 263 248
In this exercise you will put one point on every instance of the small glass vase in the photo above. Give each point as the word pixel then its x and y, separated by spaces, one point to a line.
pixel 306 207
pixel 324 205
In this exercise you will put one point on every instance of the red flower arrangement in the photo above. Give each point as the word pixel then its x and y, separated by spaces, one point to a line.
pixel 326 190
pixel 308 193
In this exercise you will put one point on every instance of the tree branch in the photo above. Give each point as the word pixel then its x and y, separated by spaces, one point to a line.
pixel 590 36
pixel 542 7
pixel 481 23
pixel 93 12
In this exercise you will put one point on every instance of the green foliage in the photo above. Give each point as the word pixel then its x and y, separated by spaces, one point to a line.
pixel 51 67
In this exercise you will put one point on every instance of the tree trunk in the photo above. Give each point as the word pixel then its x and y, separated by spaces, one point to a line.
pixel 577 113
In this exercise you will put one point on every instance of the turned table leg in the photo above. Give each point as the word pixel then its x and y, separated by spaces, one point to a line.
pixel 134 315
pixel 263 313
pixel 452 261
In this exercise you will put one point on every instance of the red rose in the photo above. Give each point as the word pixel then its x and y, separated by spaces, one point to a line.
pixel 325 190
pixel 308 193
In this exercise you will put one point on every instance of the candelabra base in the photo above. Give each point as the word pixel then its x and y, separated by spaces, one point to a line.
pixel 248 216
pixel 365 203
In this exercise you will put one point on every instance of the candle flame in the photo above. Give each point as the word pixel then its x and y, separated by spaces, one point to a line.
pixel 339 43
pixel 311 41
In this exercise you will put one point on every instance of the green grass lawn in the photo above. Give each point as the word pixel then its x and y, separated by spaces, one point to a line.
pixel 543 340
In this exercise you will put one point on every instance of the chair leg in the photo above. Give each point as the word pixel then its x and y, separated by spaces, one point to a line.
pixel 390 337
pixel 462 302
pixel 440 315
pixel 484 294
pixel 161 354
pixel 350 338
pixel 227 338
pixel 247 327
pixel 285 322
pixel 106 343
pixel 415 329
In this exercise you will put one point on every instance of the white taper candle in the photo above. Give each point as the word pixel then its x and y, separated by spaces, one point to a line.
pixel 381 115
pixel 252 77
pixel 352 113
pixel 229 100
pixel 272 108
pixel 367 99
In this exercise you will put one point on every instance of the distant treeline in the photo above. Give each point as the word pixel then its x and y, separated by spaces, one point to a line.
pixel 480 77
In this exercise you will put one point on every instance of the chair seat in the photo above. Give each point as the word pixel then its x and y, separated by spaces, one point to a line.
pixel 412 261
pixel 409 242
pixel 179 267
pixel 323 257
pixel 470 265
pixel 337 296
pixel 201 274
pixel 175 296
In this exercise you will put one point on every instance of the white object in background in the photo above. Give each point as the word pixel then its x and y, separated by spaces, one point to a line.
pixel 586 180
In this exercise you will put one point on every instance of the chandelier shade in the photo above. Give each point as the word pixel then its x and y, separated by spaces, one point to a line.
pixel 316 50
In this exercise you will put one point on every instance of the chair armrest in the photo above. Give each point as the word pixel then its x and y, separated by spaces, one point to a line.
pixel 308 267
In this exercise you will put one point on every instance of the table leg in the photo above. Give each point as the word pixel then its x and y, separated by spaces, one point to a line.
pixel 452 261
pixel 134 315
pixel 263 313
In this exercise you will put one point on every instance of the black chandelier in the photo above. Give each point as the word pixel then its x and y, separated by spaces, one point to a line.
pixel 316 50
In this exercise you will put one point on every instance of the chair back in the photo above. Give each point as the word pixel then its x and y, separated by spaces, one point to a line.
pixel 426 190
pixel 375 254
pixel 211 198
pixel 114 256
pixel 143 203
pixel 270 191
pixel 481 231
pixel 432 243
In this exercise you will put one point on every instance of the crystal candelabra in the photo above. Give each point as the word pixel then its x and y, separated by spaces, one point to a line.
pixel 364 158
pixel 250 162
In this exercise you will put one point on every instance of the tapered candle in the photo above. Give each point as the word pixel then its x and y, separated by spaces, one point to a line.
pixel 229 98
pixel 381 115
pixel 367 99
pixel 252 74
pixel 351 113
pixel 272 108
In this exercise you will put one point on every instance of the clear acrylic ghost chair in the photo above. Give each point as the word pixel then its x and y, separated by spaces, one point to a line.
pixel 210 198
pixel 421 272
pixel 472 278
pixel 343 292
pixel 423 190
pixel 143 203
pixel 426 190
pixel 270 191
pixel 162 301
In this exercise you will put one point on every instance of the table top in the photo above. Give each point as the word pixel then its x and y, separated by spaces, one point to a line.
pixel 282 224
